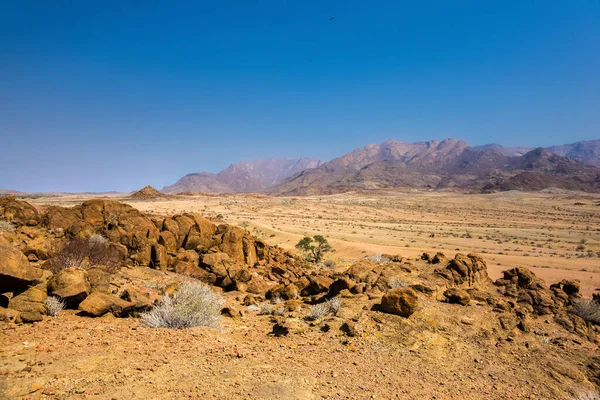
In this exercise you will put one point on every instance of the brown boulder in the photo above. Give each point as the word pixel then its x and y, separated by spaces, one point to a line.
pixel 142 298
pixel 257 285
pixel 361 270
pixel 9 315
pixel 18 212
pixel 194 271
pixel 98 304
pixel 285 292
pixel 318 284
pixel 465 270
pixel 15 271
pixel 239 273
pixel 231 241
pixel 400 301
pixel 168 240
pixel 439 258
pixel 59 218
pixel 200 234
pixel 339 285
pixel 30 301
pixel 39 247
pixel 457 296
pixel 158 257
pixel 69 284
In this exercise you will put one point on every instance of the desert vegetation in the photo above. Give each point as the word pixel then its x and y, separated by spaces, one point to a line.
pixel 192 304
pixel 85 253
pixel 314 247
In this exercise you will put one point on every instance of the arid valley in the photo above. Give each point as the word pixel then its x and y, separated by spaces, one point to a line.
pixel 442 351
pixel 556 233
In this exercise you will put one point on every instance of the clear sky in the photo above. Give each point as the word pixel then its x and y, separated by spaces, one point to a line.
pixel 113 95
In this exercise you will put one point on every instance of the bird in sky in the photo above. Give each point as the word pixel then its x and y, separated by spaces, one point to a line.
pixel 331 19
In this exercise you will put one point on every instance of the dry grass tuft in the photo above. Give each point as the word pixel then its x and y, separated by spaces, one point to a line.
pixel 54 305
pixel 588 310
pixel 193 304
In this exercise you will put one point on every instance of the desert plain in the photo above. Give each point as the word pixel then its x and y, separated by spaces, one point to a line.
pixel 443 351
pixel 554 233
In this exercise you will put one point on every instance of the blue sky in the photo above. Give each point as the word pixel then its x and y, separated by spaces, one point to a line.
pixel 114 95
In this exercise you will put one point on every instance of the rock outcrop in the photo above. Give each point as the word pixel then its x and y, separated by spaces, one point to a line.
pixel 400 301
pixel 15 271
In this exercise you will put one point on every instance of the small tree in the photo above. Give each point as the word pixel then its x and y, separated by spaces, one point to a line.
pixel 315 247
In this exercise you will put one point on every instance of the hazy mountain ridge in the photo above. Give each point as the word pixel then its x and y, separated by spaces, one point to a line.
pixel 244 176
pixel 447 164
pixel 437 164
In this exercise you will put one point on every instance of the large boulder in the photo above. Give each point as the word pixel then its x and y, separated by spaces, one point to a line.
pixel 30 304
pixel 10 315
pixel 400 301
pixel 98 304
pixel 194 271
pixel 232 241
pixel 457 296
pixel 465 271
pixel 340 284
pixel 60 218
pixel 15 271
pixel 257 285
pixel 69 284
pixel 318 284
pixel 18 212
pixel 200 234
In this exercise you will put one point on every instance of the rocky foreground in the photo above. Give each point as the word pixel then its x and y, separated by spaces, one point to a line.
pixel 407 328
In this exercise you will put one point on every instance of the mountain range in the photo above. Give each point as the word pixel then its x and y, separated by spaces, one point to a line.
pixel 244 177
pixel 446 164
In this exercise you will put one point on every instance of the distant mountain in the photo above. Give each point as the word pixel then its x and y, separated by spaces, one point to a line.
pixel 375 165
pixel 244 177
pixel 587 151
pixel 442 165
pixel 506 151
pixel 434 164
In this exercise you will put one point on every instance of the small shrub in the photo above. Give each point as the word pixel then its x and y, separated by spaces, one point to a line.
pixel 321 310
pixel 54 305
pixel 280 311
pixel 397 283
pixel 7 225
pixel 86 253
pixel 318 311
pixel 97 240
pixel 378 258
pixel 330 264
pixel 588 310
pixel 334 305
pixel 193 304
pixel 266 309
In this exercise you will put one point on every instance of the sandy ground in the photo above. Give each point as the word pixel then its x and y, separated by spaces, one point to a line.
pixel 432 355
pixel 557 235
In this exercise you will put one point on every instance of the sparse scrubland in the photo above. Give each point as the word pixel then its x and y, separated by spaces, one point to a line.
pixel 162 299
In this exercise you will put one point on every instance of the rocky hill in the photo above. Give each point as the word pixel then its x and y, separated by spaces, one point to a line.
pixel 449 164
pixel 147 192
pixel 426 327
pixel 243 177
